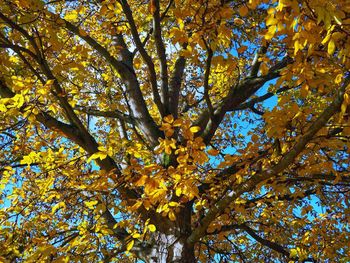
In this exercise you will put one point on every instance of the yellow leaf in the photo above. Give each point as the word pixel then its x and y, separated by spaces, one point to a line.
pixel 136 206
pixel 142 181
pixel 151 228
pixel 271 21
pixel 178 191
pixel 3 108
pixel 71 16
pixel 172 216
pixel 297 46
pixel 182 158
pixel 343 107
pixel 331 47
pixel 346 99
pixel 49 82
pixel 293 253
pixel 326 39
pixel 337 20
pixel 177 123
pixel 130 245
pixel 172 204
pixel 53 108
pixel 57 206
pixel 90 204
pixel 338 78
pixel 101 155
pixel 195 129
pixel 14 59
pixel 271 32
pixel 29 159
pixel 136 235
pixel 169 119
pixel 271 10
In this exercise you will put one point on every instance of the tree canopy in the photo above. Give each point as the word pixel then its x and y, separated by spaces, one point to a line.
pixel 174 131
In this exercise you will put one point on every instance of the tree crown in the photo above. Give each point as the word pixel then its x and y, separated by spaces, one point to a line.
pixel 174 131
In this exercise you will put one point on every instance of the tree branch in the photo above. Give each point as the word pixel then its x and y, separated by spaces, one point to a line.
pixel 237 95
pixel 286 160
pixel 108 114
pixel 274 246
pixel 137 103
pixel 161 54
pixel 146 57
pixel 206 80
pixel 262 98
pixel 257 62
pixel 175 85
pixel 73 134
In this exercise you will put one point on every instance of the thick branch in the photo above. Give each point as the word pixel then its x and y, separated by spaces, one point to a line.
pixel 21 30
pixel 257 61
pixel 108 114
pixel 262 98
pixel 73 134
pixel 206 81
pixel 161 53
pixel 146 57
pixel 137 103
pixel 286 160
pixel 175 85
pixel 345 179
pixel 237 95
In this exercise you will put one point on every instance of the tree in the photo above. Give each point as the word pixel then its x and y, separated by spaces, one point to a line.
pixel 174 131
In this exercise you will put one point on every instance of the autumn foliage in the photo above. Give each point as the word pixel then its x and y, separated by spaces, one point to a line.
pixel 174 131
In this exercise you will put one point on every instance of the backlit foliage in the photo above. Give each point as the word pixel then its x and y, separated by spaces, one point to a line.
pixel 174 130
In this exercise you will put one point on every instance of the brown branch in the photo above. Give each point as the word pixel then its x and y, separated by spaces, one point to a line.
pixel 73 134
pixel 108 114
pixel 274 246
pixel 146 57
pixel 206 80
pixel 262 98
pixel 286 160
pixel 137 103
pixel 22 31
pixel 39 57
pixel 237 95
pixel 175 85
pixel 257 61
pixel 157 33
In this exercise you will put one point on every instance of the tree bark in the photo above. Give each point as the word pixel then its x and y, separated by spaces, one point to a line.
pixel 169 243
pixel 170 248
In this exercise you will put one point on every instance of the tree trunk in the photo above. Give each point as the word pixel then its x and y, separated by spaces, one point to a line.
pixel 169 248
pixel 169 242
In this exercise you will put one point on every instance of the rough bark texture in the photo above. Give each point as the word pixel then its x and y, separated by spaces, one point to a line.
pixel 167 82
pixel 170 244
pixel 170 248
